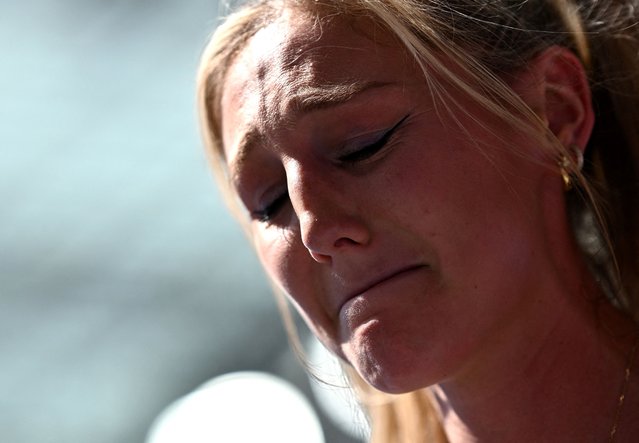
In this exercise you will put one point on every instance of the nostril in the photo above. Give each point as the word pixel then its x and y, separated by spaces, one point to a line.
pixel 334 232
pixel 327 226
pixel 341 245
pixel 344 241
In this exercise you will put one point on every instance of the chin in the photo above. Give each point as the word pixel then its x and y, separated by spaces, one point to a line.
pixel 384 363
pixel 391 377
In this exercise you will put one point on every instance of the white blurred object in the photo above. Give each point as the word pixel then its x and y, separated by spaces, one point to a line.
pixel 333 393
pixel 242 407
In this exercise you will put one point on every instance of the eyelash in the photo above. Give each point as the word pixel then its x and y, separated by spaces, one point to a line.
pixel 371 149
pixel 271 210
pixel 267 214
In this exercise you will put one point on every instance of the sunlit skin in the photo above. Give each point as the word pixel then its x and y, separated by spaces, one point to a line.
pixel 420 253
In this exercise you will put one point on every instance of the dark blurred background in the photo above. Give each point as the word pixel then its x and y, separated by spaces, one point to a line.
pixel 124 284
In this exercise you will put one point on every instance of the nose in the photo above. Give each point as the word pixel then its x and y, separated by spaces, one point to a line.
pixel 330 221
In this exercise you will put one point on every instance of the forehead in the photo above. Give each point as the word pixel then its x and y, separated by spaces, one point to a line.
pixel 298 64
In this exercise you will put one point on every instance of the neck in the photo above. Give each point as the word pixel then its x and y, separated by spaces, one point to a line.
pixel 561 382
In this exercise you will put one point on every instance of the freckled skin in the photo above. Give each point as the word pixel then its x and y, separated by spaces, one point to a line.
pixel 435 200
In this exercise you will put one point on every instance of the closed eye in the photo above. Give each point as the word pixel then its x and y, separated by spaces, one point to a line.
pixel 370 149
pixel 271 210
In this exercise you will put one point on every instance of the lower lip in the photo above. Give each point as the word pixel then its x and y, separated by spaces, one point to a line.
pixel 386 288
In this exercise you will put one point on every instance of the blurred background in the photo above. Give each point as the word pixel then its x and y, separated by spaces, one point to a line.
pixel 124 284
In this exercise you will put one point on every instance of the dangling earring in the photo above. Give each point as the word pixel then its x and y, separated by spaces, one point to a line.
pixel 565 165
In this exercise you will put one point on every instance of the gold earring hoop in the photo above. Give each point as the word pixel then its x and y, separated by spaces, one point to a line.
pixel 568 165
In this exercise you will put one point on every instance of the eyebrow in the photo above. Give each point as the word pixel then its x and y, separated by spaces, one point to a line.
pixel 305 100
pixel 312 98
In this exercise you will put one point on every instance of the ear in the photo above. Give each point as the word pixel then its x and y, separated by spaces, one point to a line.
pixel 554 84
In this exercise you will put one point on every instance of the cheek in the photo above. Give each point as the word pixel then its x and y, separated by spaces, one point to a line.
pixel 290 266
pixel 276 253
pixel 478 210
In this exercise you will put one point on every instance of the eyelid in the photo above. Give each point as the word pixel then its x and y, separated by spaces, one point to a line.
pixel 363 141
pixel 273 200
pixel 373 142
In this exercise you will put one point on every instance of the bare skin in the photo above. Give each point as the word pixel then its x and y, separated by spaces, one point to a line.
pixel 411 248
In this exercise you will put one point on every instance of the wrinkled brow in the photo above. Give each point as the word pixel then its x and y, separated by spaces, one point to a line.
pixel 304 100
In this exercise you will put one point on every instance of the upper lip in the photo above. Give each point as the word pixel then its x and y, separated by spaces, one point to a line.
pixel 360 289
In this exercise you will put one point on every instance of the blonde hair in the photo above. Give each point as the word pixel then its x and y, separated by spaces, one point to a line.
pixel 488 40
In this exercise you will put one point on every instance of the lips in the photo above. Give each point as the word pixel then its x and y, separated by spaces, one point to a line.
pixel 396 273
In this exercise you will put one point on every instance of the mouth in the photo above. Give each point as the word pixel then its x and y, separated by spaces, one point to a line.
pixel 398 273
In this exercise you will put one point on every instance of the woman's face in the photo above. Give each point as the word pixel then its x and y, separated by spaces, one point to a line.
pixel 406 243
